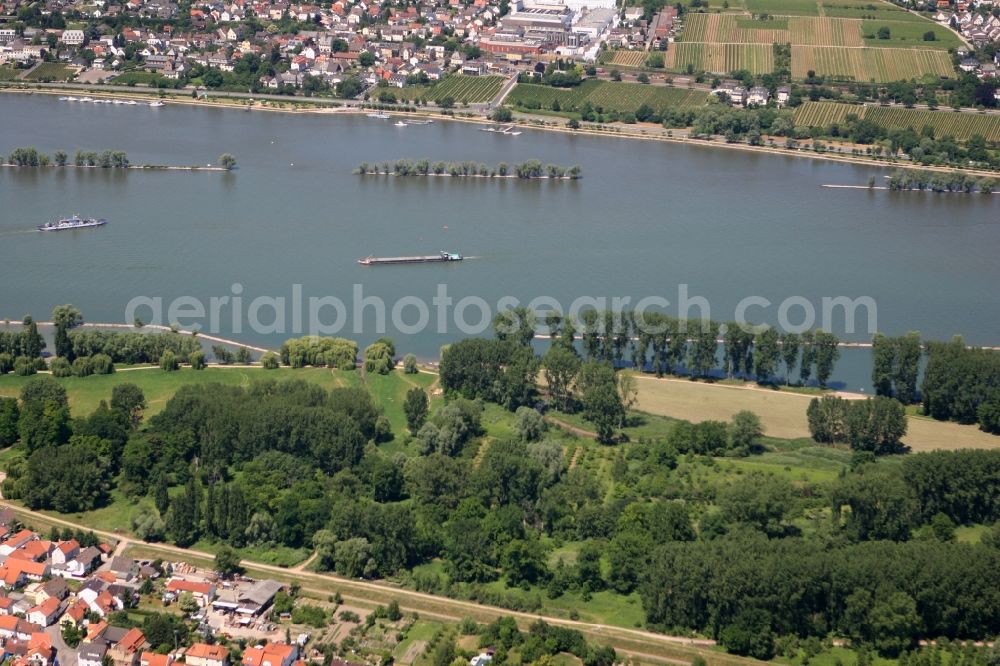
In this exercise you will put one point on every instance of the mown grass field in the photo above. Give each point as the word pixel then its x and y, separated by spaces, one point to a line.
pixel 608 95
pixel 962 126
pixel 8 73
pixel 462 89
pixel 909 34
pixel 389 392
pixel 783 7
pixel 86 393
pixel 783 413
pixel 50 71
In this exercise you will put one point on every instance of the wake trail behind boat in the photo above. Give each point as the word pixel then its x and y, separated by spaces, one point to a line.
pixel 11 232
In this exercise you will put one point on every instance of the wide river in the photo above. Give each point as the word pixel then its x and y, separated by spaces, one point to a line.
pixel 647 220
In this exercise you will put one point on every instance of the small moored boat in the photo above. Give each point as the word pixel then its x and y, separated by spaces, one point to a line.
pixel 380 116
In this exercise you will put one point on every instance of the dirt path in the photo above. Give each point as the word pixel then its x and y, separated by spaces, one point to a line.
pixel 577 453
pixel 302 566
pixel 570 428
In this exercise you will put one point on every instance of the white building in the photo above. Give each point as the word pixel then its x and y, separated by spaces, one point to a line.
pixel 72 37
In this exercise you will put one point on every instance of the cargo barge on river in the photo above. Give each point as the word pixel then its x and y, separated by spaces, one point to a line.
pixel 441 257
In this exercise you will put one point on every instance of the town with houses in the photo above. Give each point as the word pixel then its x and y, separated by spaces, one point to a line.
pixel 418 41
pixel 979 23
pixel 54 588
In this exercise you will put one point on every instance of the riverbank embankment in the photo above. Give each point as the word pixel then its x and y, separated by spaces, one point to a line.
pixel 639 131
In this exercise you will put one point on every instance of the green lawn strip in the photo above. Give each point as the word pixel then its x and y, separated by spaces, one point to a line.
pixel 53 71
pixel 86 393
pixel 909 34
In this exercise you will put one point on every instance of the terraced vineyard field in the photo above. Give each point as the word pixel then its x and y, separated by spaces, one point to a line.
pixel 722 58
pixel 626 58
pixel 463 89
pixel 825 32
pixel 880 65
pixel 962 126
pixel 831 37
pixel 821 114
pixel 606 95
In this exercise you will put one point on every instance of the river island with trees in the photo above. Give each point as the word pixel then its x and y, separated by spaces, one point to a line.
pixel 529 170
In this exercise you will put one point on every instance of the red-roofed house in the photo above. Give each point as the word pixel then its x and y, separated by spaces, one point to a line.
pixel 40 650
pixel 66 550
pixel 6 605
pixel 75 614
pixel 203 654
pixel 126 651
pixel 16 627
pixel 46 612
pixel 272 654
pixel 203 592
pixel 16 541
pixel 36 551
pixel 153 659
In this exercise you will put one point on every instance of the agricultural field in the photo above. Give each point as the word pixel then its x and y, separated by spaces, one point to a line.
pixel 909 33
pixel 869 64
pixel 783 413
pixel 627 58
pixel 783 7
pixel 608 95
pixel 463 89
pixel 962 126
pixel 866 9
pixel 722 58
pixel 820 114
pixel 825 32
pixel 50 71
pixel 712 42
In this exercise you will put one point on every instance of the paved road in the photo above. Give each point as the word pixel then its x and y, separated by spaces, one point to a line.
pixel 66 655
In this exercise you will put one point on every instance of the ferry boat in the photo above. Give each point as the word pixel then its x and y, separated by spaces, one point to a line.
pixel 380 116
pixel 75 222
pixel 441 257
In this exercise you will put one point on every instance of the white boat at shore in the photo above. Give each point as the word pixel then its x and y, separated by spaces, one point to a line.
pixel 400 123
pixel 380 116
pixel 86 99
pixel 63 99
pixel 156 104
pixel 71 99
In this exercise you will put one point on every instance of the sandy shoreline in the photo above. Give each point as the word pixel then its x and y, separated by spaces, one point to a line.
pixel 616 131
